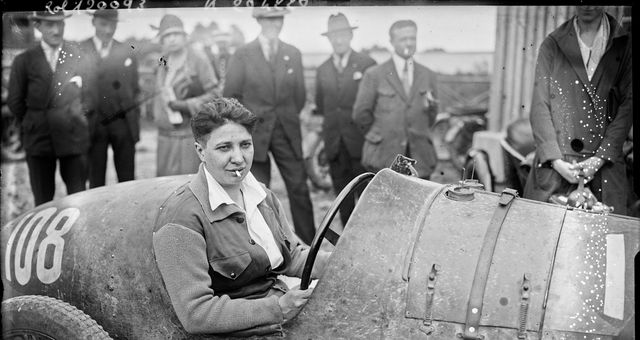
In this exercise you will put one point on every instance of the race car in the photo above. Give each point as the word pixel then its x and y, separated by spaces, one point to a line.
pixel 416 260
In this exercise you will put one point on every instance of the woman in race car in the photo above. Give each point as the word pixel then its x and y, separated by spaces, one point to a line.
pixel 221 240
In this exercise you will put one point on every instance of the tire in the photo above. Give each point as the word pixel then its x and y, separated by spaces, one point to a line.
pixel 43 317
pixel 317 166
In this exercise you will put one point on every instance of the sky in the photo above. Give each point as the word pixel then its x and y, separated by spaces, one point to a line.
pixel 453 28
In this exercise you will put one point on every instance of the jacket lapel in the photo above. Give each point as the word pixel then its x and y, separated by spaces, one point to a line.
pixel 567 41
pixel 394 79
pixel 280 66
pixel 419 77
pixel 615 32
pixel 264 72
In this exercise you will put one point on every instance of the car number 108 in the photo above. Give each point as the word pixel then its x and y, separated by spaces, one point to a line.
pixel 28 231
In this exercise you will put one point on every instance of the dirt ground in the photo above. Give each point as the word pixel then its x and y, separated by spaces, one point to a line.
pixel 17 198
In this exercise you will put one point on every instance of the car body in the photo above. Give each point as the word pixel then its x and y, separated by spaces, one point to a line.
pixel 408 265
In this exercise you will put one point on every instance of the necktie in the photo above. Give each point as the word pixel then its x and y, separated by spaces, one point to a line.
pixel 405 78
pixel 104 51
pixel 273 48
pixel 338 64
pixel 52 59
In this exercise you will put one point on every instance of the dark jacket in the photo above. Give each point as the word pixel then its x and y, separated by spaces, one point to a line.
pixel 391 120
pixel 112 86
pixel 574 118
pixel 567 106
pixel 49 105
pixel 269 91
pixel 335 95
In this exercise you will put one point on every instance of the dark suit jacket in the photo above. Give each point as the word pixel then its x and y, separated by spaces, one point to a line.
pixel 335 95
pixel 390 119
pixel 113 84
pixel 49 105
pixel 269 91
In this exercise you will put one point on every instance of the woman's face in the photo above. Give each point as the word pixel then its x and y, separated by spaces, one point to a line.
pixel 227 153
pixel 173 42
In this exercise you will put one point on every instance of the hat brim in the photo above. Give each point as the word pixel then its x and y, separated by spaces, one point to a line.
pixel 50 18
pixel 273 14
pixel 350 28
pixel 106 18
pixel 171 30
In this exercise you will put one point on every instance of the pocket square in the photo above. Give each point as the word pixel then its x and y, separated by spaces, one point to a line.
pixel 76 80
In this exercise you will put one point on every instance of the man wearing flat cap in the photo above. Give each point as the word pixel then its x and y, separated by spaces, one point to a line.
pixel 266 76
pixel 337 83
pixel 112 88
pixel 45 96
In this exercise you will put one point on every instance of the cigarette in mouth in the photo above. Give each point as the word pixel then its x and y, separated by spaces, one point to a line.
pixel 238 173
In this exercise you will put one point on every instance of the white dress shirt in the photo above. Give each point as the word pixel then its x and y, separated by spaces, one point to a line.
pixel 103 52
pixel 267 45
pixel 51 53
pixel 253 194
pixel 399 62
pixel 591 55
pixel 341 62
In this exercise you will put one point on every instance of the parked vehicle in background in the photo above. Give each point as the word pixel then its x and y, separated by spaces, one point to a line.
pixel 456 127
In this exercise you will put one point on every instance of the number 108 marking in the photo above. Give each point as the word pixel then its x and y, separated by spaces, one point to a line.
pixel 31 227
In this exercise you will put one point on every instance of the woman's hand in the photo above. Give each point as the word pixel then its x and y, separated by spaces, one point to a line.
pixel 292 302
pixel 590 166
pixel 567 170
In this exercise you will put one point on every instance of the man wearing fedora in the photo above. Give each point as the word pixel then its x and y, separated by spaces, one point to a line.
pixel 112 88
pixel 337 81
pixel 396 106
pixel 266 76
pixel 45 96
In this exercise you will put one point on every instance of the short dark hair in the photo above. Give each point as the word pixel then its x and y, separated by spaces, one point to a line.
pixel 401 24
pixel 218 112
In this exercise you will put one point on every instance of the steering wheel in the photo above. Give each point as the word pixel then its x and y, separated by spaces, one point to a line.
pixel 324 231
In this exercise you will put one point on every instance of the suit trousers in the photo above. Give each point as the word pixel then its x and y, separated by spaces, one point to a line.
pixel 294 175
pixel 117 135
pixel 343 168
pixel 42 175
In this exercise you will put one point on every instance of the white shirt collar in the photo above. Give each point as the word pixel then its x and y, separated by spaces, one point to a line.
pixel 98 44
pixel 251 188
pixel 264 44
pixel 399 62
pixel 48 48
pixel 343 61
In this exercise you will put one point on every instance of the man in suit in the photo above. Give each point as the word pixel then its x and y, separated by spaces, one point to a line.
pixel 396 106
pixel 112 89
pixel 266 76
pixel 45 95
pixel 337 83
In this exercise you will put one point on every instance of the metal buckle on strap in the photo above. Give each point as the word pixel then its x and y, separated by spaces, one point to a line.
pixel 525 292
pixel 507 196
pixel 427 324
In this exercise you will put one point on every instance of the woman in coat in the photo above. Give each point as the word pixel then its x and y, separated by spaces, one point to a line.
pixel 582 109
pixel 222 240
pixel 185 80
